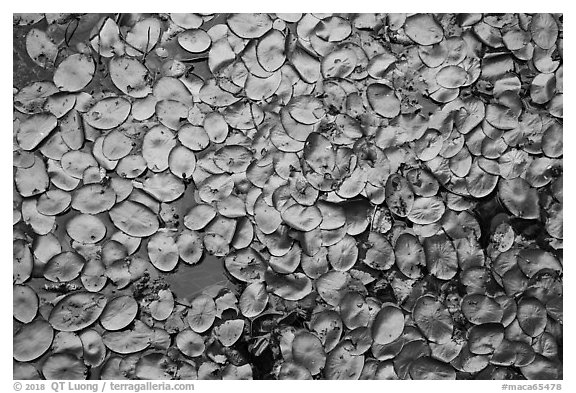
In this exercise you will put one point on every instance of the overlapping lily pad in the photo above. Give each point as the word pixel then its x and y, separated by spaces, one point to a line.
pixel 288 196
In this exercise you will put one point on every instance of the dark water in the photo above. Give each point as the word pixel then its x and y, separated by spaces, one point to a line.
pixel 187 281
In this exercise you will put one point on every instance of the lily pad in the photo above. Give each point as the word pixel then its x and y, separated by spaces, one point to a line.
pixel 77 311
pixel 423 29
pixel 307 350
pixel 388 325
pixel 108 113
pixel 75 72
pixel 202 313
pixel 32 340
pixel 130 76
pixel 119 313
pixel 134 219
pixel 433 319
pixel 64 366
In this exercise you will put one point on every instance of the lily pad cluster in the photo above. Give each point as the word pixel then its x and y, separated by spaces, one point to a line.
pixel 383 190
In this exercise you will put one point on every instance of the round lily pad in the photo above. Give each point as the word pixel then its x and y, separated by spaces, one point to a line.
pixel 64 366
pixel 423 29
pixel 32 340
pixel 307 350
pixel 201 314
pixel 433 319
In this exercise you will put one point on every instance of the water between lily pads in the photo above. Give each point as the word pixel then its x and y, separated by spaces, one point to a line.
pixel 187 281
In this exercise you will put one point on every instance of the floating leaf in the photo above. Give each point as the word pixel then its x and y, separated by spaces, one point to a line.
pixel 131 340
pixel 426 210
pixel 388 325
pixel 130 76
pixel 190 247
pixel 93 199
pixel 32 340
pixel 485 339
pixel 77 311
pixel 86 228
pixel 190 343
pixel 25 303
pixel 164 187
pixel 267 218
pixel 23 261
pixel 75 72
pixel 433 319
pixel 293 371
pixel 306 109
pixel 339 63
pixel 343 255
pixel 161 308
pixel 33 180
pixel 354 311
pixel 480 309
pixel 106 38
pixel 35 129
pixel 134 219
pixel 331 285
pixel 428 368
pixel 249 25
pixel 195 40
pixel 451 77
pixel 399 195
pixel 342 364
pixel 253 300
pixel 531 316
pixel 270 50
pixel 64 366
pixel 541 368
pixel 94 350
pixel 233 159
pixel 246 265
pixel 294 286
pixel 319 154
pixel 423 29
pixel 307 350
pixel 108 113
pixel 410 256
pixel 302 218
pixel 41 48
pixel 544 30
pixel 201 314
pixel 519 197
pixel 441 257
pixel 143 36
pixel 162 251
pixel 64 267
pixel 229 331
pixel 119 313
pixel 383 100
